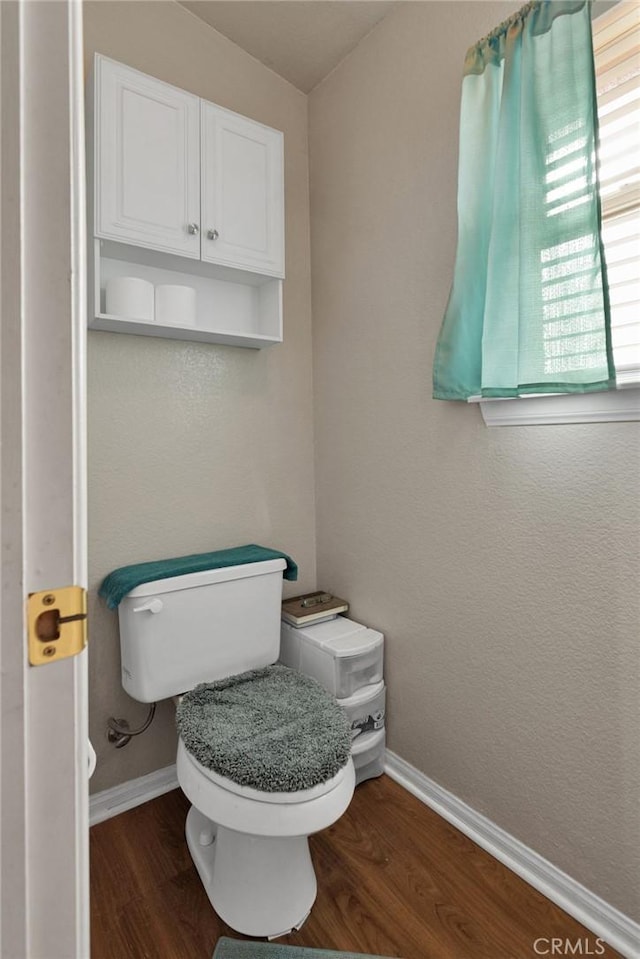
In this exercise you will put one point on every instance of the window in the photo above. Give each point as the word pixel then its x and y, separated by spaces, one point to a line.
pixel 616 39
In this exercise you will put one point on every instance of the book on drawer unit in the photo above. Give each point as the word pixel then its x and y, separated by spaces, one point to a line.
pixel 311 608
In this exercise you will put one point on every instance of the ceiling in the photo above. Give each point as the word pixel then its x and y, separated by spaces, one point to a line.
pixel 302 40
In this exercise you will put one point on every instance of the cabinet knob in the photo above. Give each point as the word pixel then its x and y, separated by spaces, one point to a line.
pixel 194 229
pixel 212 234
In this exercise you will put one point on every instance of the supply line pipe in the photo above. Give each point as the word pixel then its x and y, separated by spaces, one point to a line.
pixel 119 733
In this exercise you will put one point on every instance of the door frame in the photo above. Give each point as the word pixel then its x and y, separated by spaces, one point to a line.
pixel 44 875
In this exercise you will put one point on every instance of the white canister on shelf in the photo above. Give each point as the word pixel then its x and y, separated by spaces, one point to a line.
pixel 129 297
pixel 175 305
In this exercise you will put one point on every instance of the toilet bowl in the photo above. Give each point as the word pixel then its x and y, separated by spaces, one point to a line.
pixel 251 848
pixel 264 756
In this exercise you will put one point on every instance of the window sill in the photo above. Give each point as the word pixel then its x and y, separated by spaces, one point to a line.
pixel 613 407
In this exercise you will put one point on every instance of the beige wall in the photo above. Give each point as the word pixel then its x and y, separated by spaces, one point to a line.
pixel 501 564
pixel 192 446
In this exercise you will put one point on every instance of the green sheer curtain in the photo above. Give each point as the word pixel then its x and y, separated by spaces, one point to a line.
pixel 528 310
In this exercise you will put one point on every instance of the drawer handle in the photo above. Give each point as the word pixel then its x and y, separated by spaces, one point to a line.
pixel 212 234
pixel 194 229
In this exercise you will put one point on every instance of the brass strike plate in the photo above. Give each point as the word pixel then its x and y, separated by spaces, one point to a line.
pixel 56 624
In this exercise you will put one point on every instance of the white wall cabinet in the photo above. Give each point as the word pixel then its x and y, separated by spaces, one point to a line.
pixel 147 161
pixel 242 195
pixel 185 192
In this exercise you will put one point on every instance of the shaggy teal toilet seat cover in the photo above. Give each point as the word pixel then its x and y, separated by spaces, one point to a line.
pixel 272 729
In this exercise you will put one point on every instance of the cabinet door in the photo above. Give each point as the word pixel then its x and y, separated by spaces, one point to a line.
pixel 242 192
pixel 147 161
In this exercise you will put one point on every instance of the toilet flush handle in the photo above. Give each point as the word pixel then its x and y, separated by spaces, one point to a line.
pixel 153 606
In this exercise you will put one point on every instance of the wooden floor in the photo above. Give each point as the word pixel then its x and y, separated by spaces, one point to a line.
pixel 393 879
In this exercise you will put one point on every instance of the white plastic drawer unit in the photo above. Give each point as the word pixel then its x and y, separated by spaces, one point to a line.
pixel 340 654
pixel 365 709
pixel 368 754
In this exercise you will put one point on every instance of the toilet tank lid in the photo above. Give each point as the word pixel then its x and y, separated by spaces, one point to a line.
pixel 207 577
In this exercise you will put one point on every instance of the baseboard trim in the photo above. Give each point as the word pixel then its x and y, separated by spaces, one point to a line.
pixel 111 802
pixel 621 932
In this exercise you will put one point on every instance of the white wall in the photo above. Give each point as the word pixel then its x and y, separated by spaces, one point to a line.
pixel 192 446
pixel 501 564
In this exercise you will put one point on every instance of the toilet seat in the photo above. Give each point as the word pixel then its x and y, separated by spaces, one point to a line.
pixel 276 798
pixel 297 814
pixel 270 731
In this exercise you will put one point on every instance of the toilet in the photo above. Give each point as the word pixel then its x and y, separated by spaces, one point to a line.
pixel 212 638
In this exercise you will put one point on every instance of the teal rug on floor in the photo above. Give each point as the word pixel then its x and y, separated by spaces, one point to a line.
pixel 241 949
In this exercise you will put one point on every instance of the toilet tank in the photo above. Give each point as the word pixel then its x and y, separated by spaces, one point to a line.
pixel 185 630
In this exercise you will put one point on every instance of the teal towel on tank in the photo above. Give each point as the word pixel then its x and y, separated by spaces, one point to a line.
pixel 121 581
pixel 241 949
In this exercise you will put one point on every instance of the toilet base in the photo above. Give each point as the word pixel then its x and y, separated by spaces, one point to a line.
pixel 260 886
